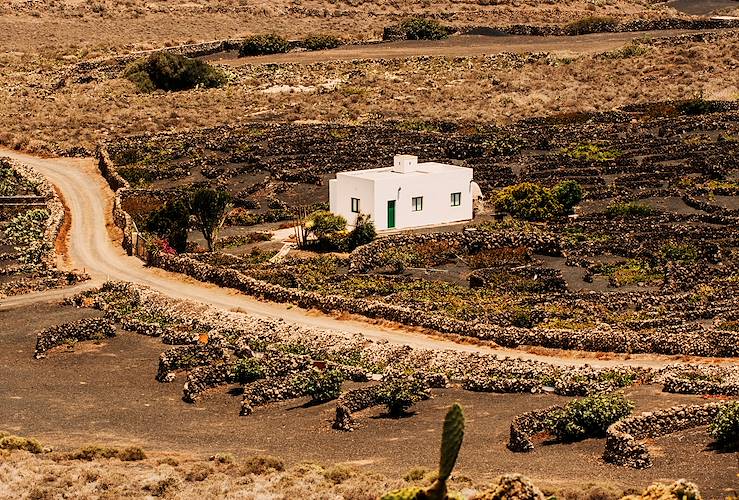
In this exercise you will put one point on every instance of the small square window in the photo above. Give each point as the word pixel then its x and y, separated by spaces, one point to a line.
pixel 417 203
pixel 355 205
pixel 456 199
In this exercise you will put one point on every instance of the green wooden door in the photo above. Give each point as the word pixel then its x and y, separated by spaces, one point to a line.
pixel 391 214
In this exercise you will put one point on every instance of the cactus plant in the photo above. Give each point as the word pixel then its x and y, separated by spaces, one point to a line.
pixel 451 442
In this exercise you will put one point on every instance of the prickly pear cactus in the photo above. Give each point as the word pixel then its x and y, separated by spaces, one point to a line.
pixel 451 442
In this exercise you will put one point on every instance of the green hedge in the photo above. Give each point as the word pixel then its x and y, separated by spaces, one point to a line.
pixel 173 72
pixel 725 427
pixel 259 45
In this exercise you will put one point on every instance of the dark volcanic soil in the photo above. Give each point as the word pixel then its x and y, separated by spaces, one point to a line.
pixel 107 394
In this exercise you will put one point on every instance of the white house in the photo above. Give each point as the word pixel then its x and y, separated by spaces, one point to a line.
pixel 408 194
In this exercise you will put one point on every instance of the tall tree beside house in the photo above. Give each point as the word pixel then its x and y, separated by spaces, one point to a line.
pixel 210 208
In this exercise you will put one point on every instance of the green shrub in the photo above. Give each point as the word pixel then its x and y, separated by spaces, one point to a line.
pixel 321 42
pixel 725 427
pixel 322 386
pixel 259 45
pixel 20 443
pixel 364 232
pixel 590 24
pixel 588 417
pixel 528 201
pixel 171 221
pixel 676 252
pixel 247 370
pixel 590 152
pixel 131 454
pixel 419 28
pixel 629 209
pixel 400 393
pixel 568 193
pixel 173 72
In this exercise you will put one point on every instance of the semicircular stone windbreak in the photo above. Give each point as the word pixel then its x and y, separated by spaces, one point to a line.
pixel 624 438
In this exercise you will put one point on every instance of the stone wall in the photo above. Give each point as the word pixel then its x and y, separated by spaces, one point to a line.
pixel 53 204
pixel 524 426
pixel 270 390
pixel 118 184
pixel 353 401
pixel 202 378
pixel 372 255
pixel 623 439
pixel 187 357
pixel 76 331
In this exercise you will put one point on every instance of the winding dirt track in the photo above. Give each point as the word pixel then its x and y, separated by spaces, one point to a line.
pixel 91 248
pixel 457 46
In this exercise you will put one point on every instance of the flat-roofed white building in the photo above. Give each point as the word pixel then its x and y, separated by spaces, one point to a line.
pixel 407 195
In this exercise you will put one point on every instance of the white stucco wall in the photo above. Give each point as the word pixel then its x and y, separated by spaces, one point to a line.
pixel 343 189
pixel 436 190
pixel 375 190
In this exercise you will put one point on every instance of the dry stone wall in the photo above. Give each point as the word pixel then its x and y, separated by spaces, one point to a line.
pixel 76 331
pixel 624 444
pixel 524 426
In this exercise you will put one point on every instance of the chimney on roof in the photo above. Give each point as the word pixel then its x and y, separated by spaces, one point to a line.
pixel 405 163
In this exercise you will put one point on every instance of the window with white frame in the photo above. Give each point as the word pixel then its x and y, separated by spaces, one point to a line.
pixel 417 203
pixel 355 205
pixel 456 199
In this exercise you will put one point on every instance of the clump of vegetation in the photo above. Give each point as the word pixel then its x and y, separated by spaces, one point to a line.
pixel 534 202
pixel 259 45
pixel 725 427
pixel 629 209
pixel 247 370
pixel 321 386
pixel 677 252
pixel 591 24
pixel 590 152
pixel 262 465
pixel 419 28
pixel 398 394
pixel 330 231
pixel 210 208
pixel 173 72
pixel 26 232
pixel 633 49
pixel 9 442
pixel 89 453
pixel 171 221
pixel 451 442
pixel 698 106
pixel 321 42
pixel 633 272
pixel 588 417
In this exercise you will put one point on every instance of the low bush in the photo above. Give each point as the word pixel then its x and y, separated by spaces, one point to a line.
pixel 629 209
pixel 676 252
pixel 725 427
pixel 588 417
pixel 259 45
pixel 247 370
pixel 419 28
pixel 398 394
pixel 8 442
pixel 321 42
pixel 591 24
pixel 698 106
pixel 528 201
pixel 322 386
pixel 568 193
pixel 89 453
pixel 173 72
pixel 262 465
pixel 590 152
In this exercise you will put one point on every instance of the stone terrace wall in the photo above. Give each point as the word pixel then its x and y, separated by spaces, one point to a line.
pixel 718 344
pixel 622 441
pixel 76 331
pixel 370 256
pixel 53 204
pixel 118 184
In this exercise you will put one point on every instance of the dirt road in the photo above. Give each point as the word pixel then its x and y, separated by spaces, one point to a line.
pixel 457 46
pixel 92 249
